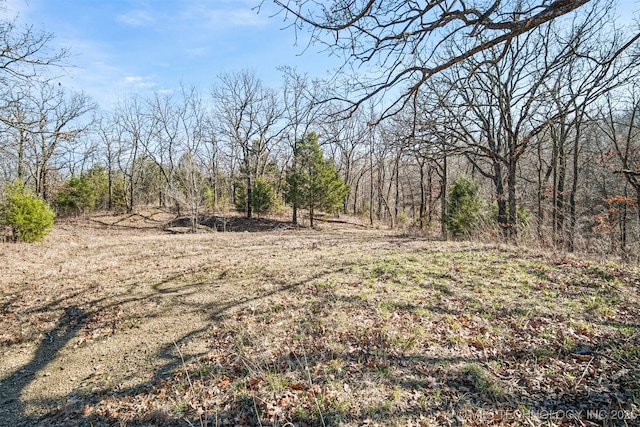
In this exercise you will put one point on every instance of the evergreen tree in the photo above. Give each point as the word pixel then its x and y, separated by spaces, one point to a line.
pixel 463 206
pixel 87 192
pixel 77 196
pixel 240 197
pixel 314 182
pixel 263 196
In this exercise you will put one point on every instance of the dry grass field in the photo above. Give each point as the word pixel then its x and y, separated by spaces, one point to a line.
pixel 117 321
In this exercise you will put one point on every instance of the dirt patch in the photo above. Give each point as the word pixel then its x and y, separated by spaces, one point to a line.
pixel 113 320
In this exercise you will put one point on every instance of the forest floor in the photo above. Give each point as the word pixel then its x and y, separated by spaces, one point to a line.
pixel 123 321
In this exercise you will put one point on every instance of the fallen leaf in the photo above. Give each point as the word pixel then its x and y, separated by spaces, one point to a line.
pixel 299 386
pixel 477 344
pixel 224 383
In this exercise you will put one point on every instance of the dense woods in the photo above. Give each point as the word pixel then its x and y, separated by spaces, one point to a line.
pixel 545 122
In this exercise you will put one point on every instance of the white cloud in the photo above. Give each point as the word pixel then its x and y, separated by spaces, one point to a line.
pixel 198 51
pixel 136 18
pixel 139 82
pixel 133 79
pixel 244 17
pixel 217 18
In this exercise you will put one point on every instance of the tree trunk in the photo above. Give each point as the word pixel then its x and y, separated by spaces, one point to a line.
pixel 21 145
pixel 109 186
pixel 249 195
pixel 43 182
pixel 294 166
pixel 574 191
pixel 512 226
pixel 623 227
pixel 559 195
pixel 397 195
pixel 430 201
pixel 443 197
pixel 347 179
pixel 637 188
pixel 422 197
pixel 539 195
pixel 130 198
pixel 501 199
pixel 371 185
pixel 355 195
pixel 379 185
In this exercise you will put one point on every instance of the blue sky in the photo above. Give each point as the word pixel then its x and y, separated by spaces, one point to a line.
pixel 124 46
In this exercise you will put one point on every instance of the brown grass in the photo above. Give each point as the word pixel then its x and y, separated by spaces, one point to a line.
pixel 114 320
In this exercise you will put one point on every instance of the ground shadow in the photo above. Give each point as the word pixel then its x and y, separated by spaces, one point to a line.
pixel 237 224
pixel 455 388
pixel 11 387
pixel 458 390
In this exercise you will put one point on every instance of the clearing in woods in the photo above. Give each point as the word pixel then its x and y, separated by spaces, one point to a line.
pixel 115 320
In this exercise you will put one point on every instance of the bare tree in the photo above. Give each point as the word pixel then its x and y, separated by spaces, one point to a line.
pixel 503 90
pixel 189 134
pixel 600 61
pixel 26 59
pixel 57 122
pixel 346 138
pixel 15 122
pixel 247 114
pixel 619 121
pixel 132 130
pixel 432 143
pixel 25 53
pixel 104 129
pixel 406 41
pixel 300 113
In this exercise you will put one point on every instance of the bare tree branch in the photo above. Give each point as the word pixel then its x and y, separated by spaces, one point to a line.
pixel 406 42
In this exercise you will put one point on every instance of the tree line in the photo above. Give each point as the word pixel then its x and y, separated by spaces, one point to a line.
pixel 544 122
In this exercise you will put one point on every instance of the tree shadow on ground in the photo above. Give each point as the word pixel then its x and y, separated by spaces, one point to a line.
pixel 309 379
pixel 12 386
pixel 73 321
pixel 236 224
pixel 132 221
pixel 314 378
pixel 239 224
pixel 294 387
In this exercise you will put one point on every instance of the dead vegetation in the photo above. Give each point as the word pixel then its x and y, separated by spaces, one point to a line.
pixel 115 321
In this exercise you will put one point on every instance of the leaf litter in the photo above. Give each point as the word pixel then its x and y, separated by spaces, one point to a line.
pixel 336 326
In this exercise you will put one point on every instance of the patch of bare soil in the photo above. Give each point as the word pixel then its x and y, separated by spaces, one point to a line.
pixel 115 321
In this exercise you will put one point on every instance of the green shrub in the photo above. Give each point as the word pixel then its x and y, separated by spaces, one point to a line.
pixel 240 198
pixel 463 206
pixel 29 217
pixel 262 197
pixel 402 218
pixel 77 196
pixel 88 192
pixel 209 197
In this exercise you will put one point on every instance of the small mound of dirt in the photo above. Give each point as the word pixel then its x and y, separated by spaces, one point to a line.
pixel 228 224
